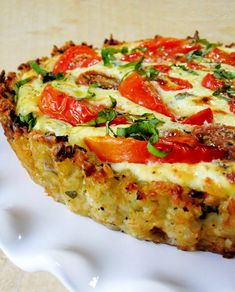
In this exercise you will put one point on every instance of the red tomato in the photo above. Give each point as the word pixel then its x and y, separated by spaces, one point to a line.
pixel 132 56
pixel 172 83
pixel 199 118
pixel 211 82
pixel 218 55
pixel 76 57
pixel 196 66
pixel 162 68
pixel 135 88
pixel 167 47
pixel 232 106
pixel 114 150
pixel 119 120
pixel 59 105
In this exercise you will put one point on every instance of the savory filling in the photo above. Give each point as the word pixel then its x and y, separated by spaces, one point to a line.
pixel 163 100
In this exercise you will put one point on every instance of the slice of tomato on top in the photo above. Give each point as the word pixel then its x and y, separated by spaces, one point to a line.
pixel 211 82
pixel 171 83
pixel 58 105
pixel 218 55
pixel 115 150
pixel 200 118
pixel 79 56
pixel 135 88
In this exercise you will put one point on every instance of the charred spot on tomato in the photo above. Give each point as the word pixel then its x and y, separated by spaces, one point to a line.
pixel 62 139
pixel 206 209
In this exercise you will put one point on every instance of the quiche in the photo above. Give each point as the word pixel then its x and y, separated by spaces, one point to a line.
pixel 139 135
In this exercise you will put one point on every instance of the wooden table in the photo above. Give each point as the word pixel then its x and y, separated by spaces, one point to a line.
pixel 29 29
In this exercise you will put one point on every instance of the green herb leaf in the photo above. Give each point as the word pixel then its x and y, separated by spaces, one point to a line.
pixel 106 115
pixel 193 54
pixel 113 101
pixel 90 92
pixel 18 85
pixel 149 72
pixel 124 50
pixel 139 49
pixel 46 76
pixel 135 64
pixel 30 120
pixel 108 56
pixel 143 130
pixel 184 68
pixel 156 152
pixel 224 74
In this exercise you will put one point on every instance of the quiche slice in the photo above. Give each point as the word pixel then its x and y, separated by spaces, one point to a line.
pixel 140 136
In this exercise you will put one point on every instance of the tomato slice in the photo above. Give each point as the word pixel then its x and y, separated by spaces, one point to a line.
pixel 211 82
pixel 135 88
pixel 162 68
pixel 132 56
pixel 168 47
pixel 218 55
pixel 199 118
pixel 119 120
pixel 115 150
pixel 76 57
pixel 59 105
pixel 196 66
pixel 171 83
pixel 232 106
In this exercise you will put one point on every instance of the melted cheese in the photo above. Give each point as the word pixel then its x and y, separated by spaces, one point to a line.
pixel 201 176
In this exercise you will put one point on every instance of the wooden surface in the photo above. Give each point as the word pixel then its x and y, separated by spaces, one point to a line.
pixel 29 29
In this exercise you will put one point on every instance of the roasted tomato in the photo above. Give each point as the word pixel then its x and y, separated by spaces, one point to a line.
pixel 232 106
pixel 162 68
pixel 200 118
pixel 196 66
pixel 76 57
pixel 160 47
pixel 59 105
pixel 137 89
pixel 114 150
pixel 211 82
pixel 218 55
pixel 171 83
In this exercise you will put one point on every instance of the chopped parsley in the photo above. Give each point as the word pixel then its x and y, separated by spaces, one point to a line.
pixel 29 120
pixel 46 76
pixel 135 64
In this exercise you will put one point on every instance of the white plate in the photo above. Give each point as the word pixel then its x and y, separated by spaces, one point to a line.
pixel 38 234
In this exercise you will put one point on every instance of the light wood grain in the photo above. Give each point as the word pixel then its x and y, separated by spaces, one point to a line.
pixel 29 29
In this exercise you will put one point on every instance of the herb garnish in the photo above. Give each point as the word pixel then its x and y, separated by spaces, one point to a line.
pixel 29 120
pixel 183 95
pixel 143 129
pixel 108 57
pixel 201 53
pixel 150 73
pixel 184 68
pixel 135 64
pixel 46 76
pixel 90 92
pixel 223 74
pixel 18 85
pixel 225 92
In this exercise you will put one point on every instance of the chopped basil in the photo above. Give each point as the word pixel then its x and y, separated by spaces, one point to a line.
pixel 71 194
pixel 108 56
pixel 184 68
pixel 183 95
pixel 149 72
pixel 226 92
pixel 144 130
pixel 46 76
pixel 124 50
pixel 139 49
pixel 106 115
pixel 113 101
pixel 29 120
pixel 223 74
pixel 194 54
pixel 135 64
pixel 18 85
pixel 90 92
